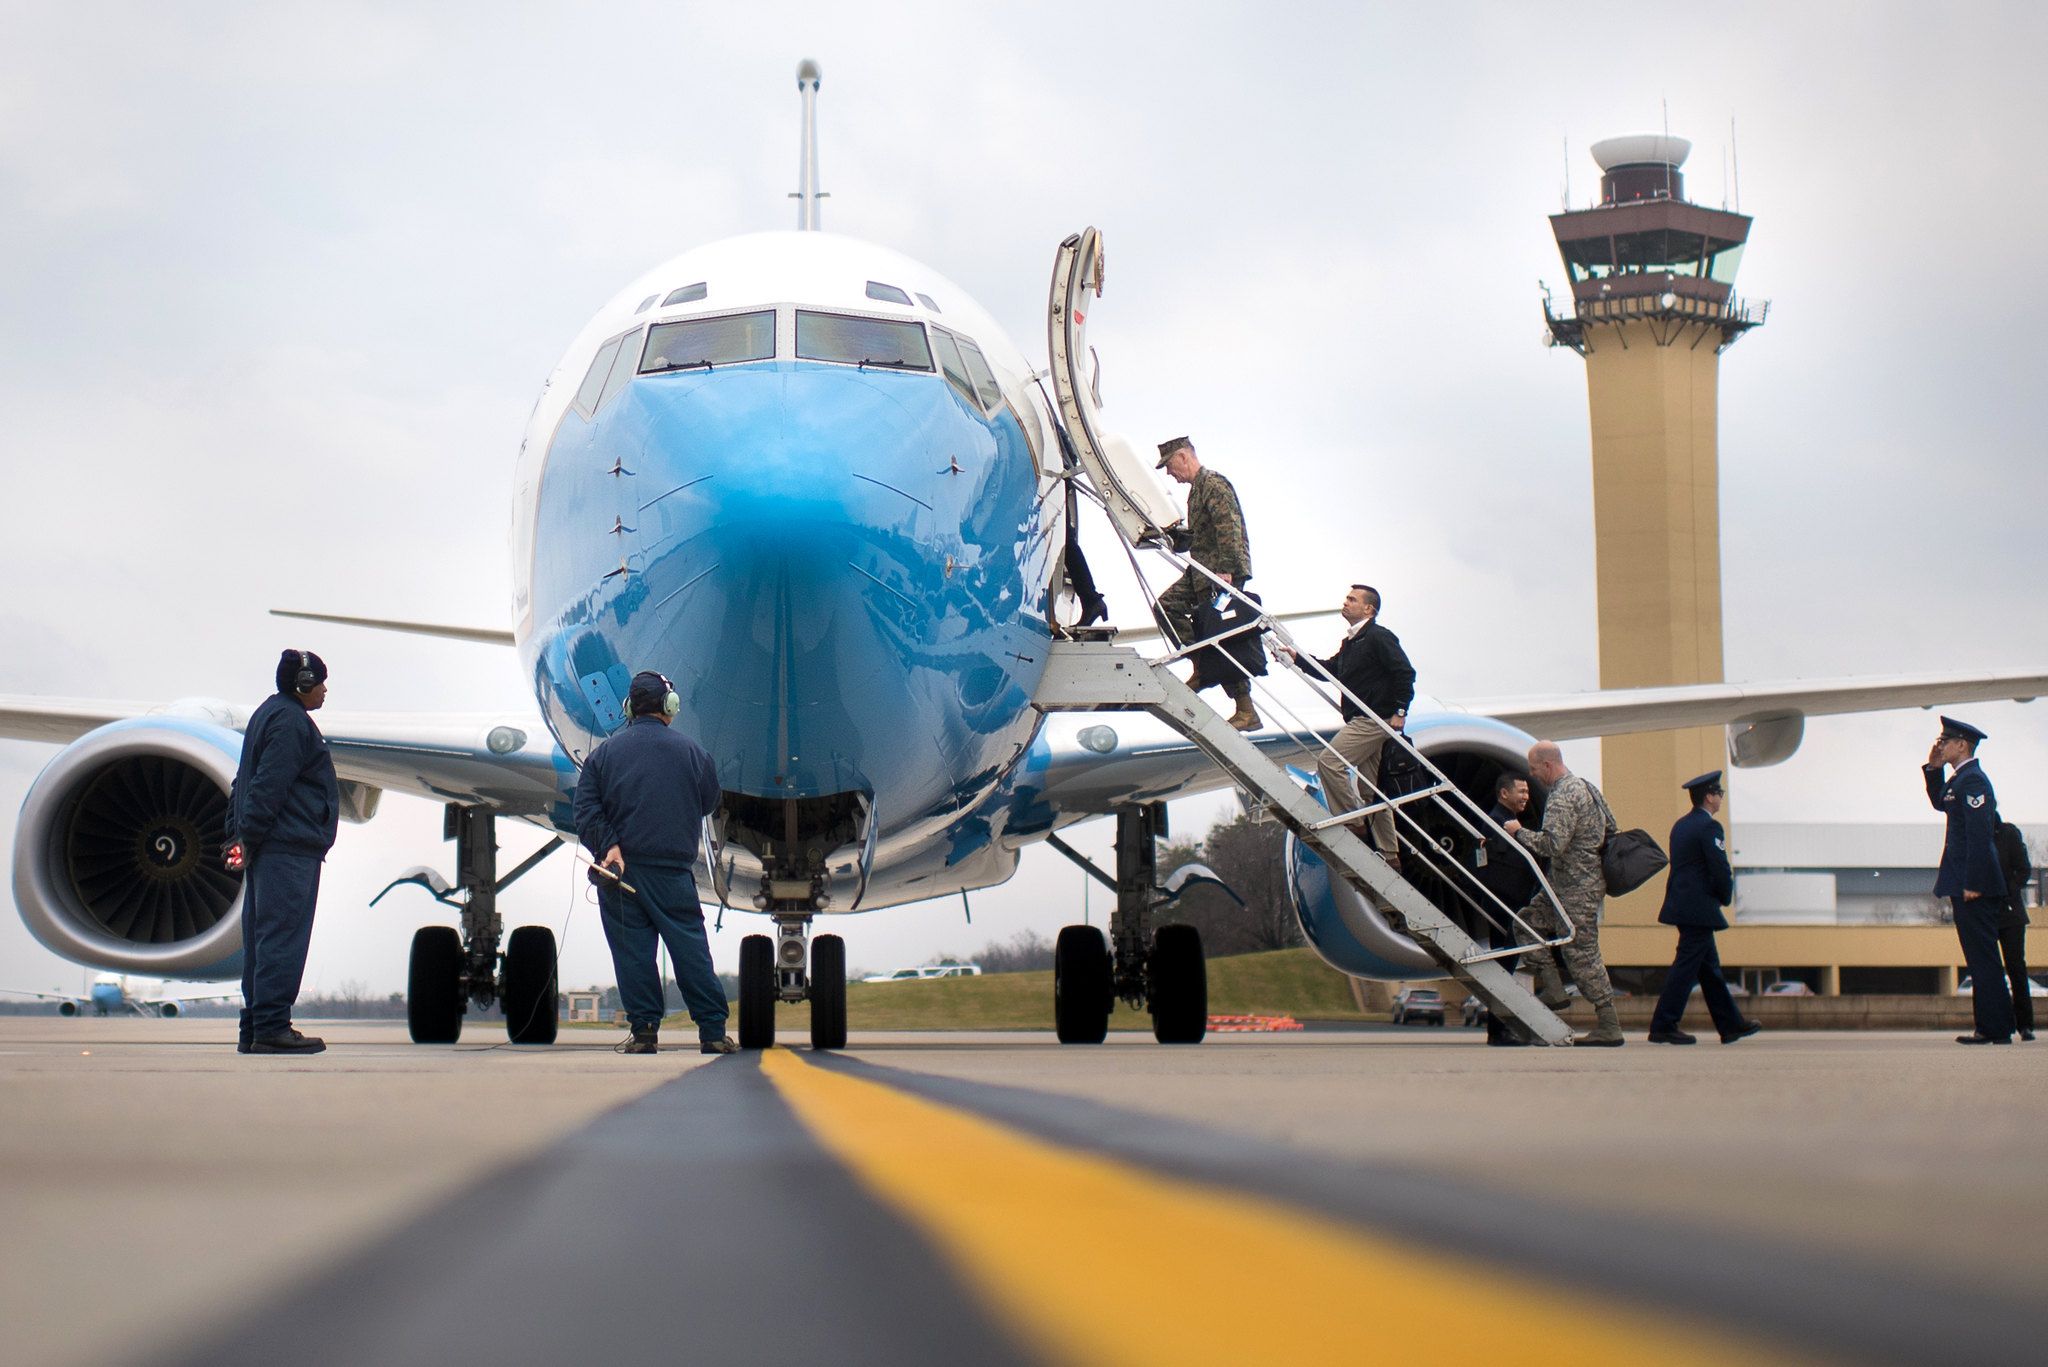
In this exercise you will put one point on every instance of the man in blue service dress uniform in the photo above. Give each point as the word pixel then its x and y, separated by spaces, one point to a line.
pixel 1700 884
pixel 641 801
pixel 1970 876
pixel 282 816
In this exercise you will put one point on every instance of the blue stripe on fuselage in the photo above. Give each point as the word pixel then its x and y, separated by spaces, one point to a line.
pixel 837 607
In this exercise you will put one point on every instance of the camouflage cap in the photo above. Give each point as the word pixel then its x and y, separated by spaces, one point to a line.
pixel 1167 448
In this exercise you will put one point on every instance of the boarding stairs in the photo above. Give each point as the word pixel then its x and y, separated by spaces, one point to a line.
pixel 1089 672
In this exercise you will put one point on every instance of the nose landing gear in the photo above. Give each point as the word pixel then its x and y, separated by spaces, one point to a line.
pixel 1162 972
pixel 773 970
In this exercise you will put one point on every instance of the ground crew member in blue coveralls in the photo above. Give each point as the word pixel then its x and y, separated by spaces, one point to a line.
pixel 1700 884
pixel 282 817
pixel 641 801
pixel 1970 876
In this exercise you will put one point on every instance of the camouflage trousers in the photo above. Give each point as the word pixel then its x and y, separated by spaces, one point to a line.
pixel 1582 961
pixel 1179 604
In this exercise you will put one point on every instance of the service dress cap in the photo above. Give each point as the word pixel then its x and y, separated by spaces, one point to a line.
pixel 1709 781
pixel 1951 729
pixel 1167 448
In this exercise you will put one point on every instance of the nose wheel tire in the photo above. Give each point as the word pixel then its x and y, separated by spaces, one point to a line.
pixel 828 992
pixel 1179 981
pixel 757 992
pixel 433 986
pixel 529 986
pixel 1081 986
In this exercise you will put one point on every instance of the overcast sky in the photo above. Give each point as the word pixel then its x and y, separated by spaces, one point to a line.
pixel 279 283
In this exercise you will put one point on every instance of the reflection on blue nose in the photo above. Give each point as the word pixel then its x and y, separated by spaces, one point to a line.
pixel 791 570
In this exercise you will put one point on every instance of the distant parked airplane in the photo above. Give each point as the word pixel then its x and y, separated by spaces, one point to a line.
pixel 108 996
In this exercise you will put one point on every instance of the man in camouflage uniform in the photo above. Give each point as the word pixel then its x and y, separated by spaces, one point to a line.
pixel 1575 825
pixel 1216 538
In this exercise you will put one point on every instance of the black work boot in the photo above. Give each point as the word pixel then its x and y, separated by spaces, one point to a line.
pixel 287 1042
pixel 641 1041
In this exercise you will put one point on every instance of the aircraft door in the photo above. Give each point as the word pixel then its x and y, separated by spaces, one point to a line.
pixel 1137 501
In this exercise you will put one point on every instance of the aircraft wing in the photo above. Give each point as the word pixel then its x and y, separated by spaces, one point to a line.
pixel 1615 712
pixel 79 1002
pixel 507 761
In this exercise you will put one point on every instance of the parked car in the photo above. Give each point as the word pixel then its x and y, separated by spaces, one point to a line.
pixel 902 975
pixel 2034 987
pixel 1788 987
pixel 1418 1006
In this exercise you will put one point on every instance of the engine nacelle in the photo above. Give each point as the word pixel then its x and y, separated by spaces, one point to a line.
pixel 117 850
pixel 67 1008
pixel 1754 742
pixel 1346 930
pixel 170 1011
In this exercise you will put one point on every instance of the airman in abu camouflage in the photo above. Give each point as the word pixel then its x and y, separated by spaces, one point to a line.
pixel 1216 539
pixel 1575 825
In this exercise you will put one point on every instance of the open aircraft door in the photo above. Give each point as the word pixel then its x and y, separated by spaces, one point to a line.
pixel 1137 502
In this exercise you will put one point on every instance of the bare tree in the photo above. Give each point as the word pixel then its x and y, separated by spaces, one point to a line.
pixel 1250 857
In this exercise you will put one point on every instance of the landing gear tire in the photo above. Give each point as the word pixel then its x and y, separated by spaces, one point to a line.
pixel 1081 986
pixel 828 992
pixel 757 992
pixel 433 986
pixel 529 986
pixel 1180 986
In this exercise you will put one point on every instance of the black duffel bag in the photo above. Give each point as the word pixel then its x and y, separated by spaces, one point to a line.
pixel 1628 859
pixel 1247 649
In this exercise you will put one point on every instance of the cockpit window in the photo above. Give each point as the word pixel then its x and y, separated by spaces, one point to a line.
pixel 709 342
pixel 950 362
pixel 593 383
pixel 622 368
pixel 645 302
pixel 688 294
pixel 984 378
pixel 888 294
pixel 926 300
pixel 880 342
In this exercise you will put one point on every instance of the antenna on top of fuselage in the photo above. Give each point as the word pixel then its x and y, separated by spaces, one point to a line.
pixel 808 194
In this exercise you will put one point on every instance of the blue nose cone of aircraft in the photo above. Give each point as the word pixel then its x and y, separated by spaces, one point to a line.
pixel 794 553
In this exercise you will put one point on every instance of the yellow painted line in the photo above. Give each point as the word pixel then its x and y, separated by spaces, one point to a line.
pixel 1092 1260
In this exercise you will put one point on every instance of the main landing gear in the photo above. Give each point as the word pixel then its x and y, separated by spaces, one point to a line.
pixel 772 970
pixel 451 969
pixel 1161 971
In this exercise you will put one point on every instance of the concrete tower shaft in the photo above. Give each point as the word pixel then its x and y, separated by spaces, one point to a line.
pixel 1653 308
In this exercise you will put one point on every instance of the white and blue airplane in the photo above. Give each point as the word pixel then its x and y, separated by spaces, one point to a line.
pixel 109 996
pixel 814 483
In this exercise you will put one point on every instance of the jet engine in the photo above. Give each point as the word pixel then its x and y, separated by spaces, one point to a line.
pixel 1345 929
pixel 170 1011
pixel 117 850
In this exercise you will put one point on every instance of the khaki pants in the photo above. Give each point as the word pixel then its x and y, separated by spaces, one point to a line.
pixel 1359 742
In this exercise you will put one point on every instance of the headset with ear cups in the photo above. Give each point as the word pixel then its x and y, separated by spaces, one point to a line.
pixel 671 704
pixel 305 681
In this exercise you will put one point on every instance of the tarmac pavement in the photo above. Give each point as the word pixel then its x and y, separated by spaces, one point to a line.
pixel 999 1198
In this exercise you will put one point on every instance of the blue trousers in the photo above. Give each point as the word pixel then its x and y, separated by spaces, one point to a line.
pixel 278 893
pixel 665 910
pixel 1990 998
pixel 1698 960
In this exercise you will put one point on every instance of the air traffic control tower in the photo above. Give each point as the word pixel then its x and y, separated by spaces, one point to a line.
pixel 1653 307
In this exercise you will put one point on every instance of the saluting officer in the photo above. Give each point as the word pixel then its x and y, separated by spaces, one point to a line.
pixel 641 801
pixel 1970 876
pixel 1700 884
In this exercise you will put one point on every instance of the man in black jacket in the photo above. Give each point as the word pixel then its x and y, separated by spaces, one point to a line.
pixel 282 819
pixel 641 801
pixel 1510 876
pixel 1371 664
pixel 1700 884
